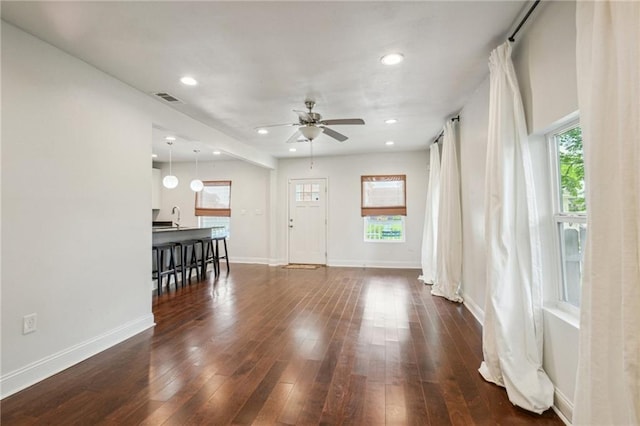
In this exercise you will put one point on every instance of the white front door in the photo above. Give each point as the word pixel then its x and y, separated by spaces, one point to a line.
pixel 308 221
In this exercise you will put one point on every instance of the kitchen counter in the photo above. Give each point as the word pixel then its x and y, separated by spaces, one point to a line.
pixel 165 234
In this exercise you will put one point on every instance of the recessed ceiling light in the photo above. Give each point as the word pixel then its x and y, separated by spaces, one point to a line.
pixel 170 138
pixel 391 121
pixel 263 131
pixel 154 155
pixel 292 150
pixel 392 58
pixel 189 81
pixel 216 152
pixel 389 143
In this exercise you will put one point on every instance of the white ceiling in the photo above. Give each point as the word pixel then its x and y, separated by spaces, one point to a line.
pixel 257 61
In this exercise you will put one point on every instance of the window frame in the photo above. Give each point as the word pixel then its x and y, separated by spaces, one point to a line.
pixel 383 210
pixel 559 217
pixel 207 211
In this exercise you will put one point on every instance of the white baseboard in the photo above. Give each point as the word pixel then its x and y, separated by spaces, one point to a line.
pixel 254 260
pixel 37 371
pixel 374 264
pixel 475 310
pixel 562 406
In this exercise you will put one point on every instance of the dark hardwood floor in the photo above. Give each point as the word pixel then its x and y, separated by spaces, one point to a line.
pixel 268 346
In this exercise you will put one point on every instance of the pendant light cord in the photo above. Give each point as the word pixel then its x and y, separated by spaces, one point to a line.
pixel 197 151
pixel 170 143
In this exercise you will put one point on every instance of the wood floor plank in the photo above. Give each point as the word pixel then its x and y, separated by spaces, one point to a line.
pixel 273 405
pixel 267 346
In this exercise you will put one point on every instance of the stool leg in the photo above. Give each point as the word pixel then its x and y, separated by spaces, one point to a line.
pixel 203 263
pixel 216 259
pixel 159 269
pixel 172 267
pixel 194 259
pixel 184 260
pixel 226 254
pixel 183 270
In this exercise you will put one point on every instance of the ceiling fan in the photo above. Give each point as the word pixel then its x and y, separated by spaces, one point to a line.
pixel 311 125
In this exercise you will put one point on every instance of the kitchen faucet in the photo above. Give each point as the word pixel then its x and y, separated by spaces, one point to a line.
pixel 173 211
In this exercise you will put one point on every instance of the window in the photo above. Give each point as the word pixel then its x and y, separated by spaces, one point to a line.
pixel 307 192
pixel 213 206
pixel 384 228
pixel 383 207
pixel 570 209
pixel 214 199
pixel 383 195
pixel 220 223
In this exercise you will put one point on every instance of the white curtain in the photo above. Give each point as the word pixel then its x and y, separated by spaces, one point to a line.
pixel 608 64
pixel 512 330
pixel 430 231
pixel 449 232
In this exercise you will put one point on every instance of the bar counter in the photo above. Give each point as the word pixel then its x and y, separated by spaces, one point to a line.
pixel 166 234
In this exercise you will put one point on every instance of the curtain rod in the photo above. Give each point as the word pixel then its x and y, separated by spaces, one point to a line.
pixel 533 6
pixel 456 118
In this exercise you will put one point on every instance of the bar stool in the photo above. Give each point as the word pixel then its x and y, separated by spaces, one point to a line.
pixel 162 269
pixel 208 256
pixel 188 259
pixel 217 254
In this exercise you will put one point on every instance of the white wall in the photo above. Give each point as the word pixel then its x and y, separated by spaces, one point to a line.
pixel 249 240
pixel 345 245
pixel 80 141
pixel 75 210
pixel 544 58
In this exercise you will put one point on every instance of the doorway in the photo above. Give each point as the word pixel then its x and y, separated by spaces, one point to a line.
pixel 308 221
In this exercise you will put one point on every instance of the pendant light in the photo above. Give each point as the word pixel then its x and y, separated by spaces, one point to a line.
pixel 196 184
pixel 170 181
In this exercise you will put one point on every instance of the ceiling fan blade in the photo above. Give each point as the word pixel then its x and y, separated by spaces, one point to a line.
pixel 342 121
pixel 277 125
pixel 303 115
pixel 337 136
pixel 294 137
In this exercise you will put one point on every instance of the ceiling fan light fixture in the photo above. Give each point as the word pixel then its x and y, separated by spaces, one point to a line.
pixel 310 132
pixel 392 59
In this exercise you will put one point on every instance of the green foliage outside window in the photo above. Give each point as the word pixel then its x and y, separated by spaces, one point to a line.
pixel 571 162
pixel 384 228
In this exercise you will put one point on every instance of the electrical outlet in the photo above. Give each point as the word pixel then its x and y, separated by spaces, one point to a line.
pixel 29 323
